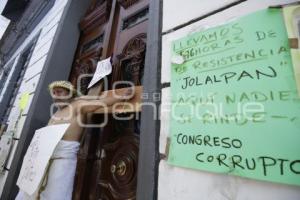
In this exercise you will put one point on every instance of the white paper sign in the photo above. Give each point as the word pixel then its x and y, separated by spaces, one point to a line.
pixel 38 155
pixel 103 69
pixel 5 147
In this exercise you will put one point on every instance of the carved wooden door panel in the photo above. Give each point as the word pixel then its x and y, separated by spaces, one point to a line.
pixel 108 158
pixel 90 46
pixel 89 51
pixel 117 177
pixel 116 169
pixel 131 41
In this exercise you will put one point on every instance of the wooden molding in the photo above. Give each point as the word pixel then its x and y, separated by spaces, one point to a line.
pixel 96 18
pixel 127 3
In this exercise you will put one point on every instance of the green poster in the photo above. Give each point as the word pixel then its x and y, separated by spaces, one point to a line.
pixel 235 108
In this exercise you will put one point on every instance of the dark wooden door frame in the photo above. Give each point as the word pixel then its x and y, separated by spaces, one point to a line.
pixel 150 128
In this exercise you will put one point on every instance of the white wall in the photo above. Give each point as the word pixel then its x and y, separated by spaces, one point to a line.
pixel 2 5
pixel 48 27
pixel 177 183
pixel 4 22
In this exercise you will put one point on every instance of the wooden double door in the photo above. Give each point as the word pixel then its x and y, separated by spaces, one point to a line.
pixel 108 157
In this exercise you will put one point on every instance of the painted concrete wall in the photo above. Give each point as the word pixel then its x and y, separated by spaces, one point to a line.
pixel 179 183
pixel 47 29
